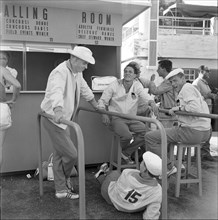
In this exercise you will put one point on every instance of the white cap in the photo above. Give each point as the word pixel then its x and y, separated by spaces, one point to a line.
pixel 153 163
pixel 83 53
pixel 174 72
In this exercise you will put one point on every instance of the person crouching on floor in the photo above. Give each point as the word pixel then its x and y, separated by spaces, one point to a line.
pixel 134 190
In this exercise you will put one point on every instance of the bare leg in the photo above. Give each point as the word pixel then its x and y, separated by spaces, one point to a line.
pixel 2 138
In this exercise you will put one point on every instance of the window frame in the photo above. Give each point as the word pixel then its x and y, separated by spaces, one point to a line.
pixel 28 47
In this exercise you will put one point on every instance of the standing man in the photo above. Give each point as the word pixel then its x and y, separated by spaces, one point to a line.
pixel 191 129
pixel 202 85
pixel 64 87
pixel 165 91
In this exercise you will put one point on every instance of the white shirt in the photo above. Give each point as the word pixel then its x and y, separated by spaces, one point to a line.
pixel 61 89
pixel 132 193
pixel 117 100
pixel 191 100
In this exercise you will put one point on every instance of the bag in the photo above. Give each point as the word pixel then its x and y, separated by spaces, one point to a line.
pixel 47 170
pixel 50 176
pixel 5 116
pixel 100 83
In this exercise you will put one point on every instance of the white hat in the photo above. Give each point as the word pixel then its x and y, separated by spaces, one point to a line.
pixel 83 53
pixel 153 163
pixel 174 72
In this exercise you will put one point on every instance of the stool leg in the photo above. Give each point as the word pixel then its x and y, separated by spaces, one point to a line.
pixel 112 153
pixel 119 151
pixel 179 164
pixel 199 174
pixel 188 170
pixel 171 156
pixel 137 159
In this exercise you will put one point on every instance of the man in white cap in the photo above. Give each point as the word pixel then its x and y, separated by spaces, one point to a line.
pixel 202 84
pixel 191 130
pixel 134 190
pixel 64 87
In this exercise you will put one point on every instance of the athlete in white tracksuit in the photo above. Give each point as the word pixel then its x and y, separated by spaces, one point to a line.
pixel 134 190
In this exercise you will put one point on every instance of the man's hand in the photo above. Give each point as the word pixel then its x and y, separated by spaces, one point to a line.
pixel 173 110
pixel 152 77
pixel 10 103
pixel 58 114
pixel 106 120
pixel 154 108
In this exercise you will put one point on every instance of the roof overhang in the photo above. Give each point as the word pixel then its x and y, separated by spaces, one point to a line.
pixel 189 10
pixel 127 8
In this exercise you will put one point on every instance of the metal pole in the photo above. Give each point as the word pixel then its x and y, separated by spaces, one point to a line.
pixel 40 157
pixel 196 114
pixel 81 162
pixel 163 148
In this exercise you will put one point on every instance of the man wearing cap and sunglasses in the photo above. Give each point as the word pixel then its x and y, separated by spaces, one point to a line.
pixel 202 85
pixel 191 129
pixel 64 87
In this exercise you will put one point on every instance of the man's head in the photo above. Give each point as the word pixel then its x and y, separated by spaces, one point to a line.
pixel 152 163
pixel 204 71
pixel 177 79
pixel 80 57
pixel 132 71
pixel 4 58
pixel 164 67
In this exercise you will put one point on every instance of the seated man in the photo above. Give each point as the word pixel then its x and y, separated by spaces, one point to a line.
pixel 202 84
pixel 122 96
pixel 191 129
pixel 134 190
pixel 165 92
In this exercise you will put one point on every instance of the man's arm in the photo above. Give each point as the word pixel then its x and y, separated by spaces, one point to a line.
pixel 94 104
pixel 152 211
pixel 14 82
pixel 161 89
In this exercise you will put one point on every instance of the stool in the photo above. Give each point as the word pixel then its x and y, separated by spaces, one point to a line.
pixel 116 162
pixel 189 177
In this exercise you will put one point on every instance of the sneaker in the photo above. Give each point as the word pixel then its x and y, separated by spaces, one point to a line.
pixel 103 168
pixel 182 168
pixel 69 185
pixel 170 172
pixel 68 195
pixel 127 159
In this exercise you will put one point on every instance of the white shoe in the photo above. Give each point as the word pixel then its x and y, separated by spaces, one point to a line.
pixel 182 168
pixel 103 169
pixel 68 195
pixel 170 172
pixel 127 159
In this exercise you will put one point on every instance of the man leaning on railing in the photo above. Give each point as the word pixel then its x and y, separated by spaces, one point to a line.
pixel 191 129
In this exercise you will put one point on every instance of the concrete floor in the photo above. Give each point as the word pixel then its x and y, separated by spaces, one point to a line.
pixel 20 198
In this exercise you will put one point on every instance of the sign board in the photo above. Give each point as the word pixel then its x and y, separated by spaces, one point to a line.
pixel 57 25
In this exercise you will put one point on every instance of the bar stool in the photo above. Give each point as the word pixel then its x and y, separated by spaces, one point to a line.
pixel 189 176
pixel 116 161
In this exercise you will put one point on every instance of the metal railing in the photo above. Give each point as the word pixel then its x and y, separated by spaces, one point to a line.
pixel 185 25
pixel 196 114
pixel 81 161
pixel 163 147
